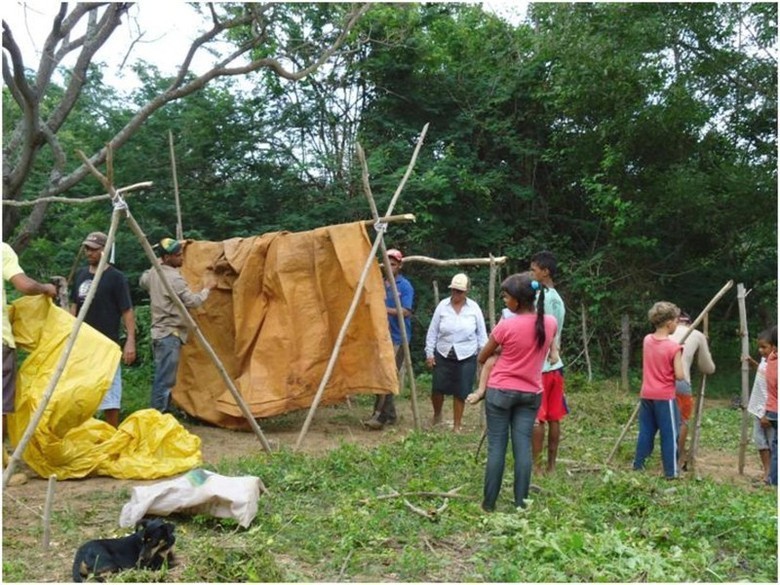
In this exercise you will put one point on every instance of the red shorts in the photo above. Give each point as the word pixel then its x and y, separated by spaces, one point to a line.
pixel 553 407
pixel 685 404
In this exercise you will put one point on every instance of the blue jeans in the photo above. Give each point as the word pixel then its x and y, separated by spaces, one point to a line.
pixel 655 416
pixel 505 410
pixel 166 364
pixel 772 416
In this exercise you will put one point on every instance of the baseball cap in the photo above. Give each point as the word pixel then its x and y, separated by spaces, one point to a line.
pixel 170 246
pixel 460 282
pixel 95 240
pixel 395 254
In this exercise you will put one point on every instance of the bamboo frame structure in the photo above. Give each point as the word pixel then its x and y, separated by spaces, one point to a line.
pixel 693 326
pixel 358 292
pixel 394 290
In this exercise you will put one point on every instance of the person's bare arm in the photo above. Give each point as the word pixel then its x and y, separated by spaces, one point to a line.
pixel 128 353
pixel 488 350
pixel 29 286
pixel 679 370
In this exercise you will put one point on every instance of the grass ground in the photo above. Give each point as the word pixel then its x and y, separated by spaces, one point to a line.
pixel 326 519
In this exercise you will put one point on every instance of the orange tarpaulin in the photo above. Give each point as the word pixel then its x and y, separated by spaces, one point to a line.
pixel 273 320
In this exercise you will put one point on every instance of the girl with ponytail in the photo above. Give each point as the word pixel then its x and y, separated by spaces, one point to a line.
pixel 514 387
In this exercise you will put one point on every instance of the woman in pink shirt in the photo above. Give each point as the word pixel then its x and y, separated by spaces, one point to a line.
pixel 662 366
pixel 514 389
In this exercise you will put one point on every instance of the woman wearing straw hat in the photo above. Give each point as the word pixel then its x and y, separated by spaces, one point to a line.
pixel 456 334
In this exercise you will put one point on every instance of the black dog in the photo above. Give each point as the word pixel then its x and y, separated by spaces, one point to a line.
pixel 148 548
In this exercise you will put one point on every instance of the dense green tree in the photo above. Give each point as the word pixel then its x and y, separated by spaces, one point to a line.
pixel 81 31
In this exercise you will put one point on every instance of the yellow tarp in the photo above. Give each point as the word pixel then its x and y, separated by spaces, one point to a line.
pixel 274 318
pixel 68 442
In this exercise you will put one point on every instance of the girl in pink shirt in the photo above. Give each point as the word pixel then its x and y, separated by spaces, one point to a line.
pixel 514 388
pixel 661 366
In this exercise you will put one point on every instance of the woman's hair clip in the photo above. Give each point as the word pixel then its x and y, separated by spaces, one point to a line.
pixel 535 284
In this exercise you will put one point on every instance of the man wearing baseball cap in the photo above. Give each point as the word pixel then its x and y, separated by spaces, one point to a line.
pixel 169 326
pixel 384 405
pixel 110 306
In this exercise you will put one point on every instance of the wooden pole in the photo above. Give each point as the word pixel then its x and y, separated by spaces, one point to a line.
pixel 492 292
pixel 694 449
pixel 407 367
pixel 436 296
pixel 457 261
pixel 584 319
pixel 625 351
pixel 136 229
pixel 693 326
pixel 745 374
pixel 55 199
pixel 47 511
pixel 49 392
pixel 179 228
pixel 400 218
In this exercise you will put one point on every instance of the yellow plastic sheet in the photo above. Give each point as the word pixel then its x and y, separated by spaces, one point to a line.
pixel 68 442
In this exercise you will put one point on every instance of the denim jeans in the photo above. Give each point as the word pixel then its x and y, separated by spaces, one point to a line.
pixel 772 416
pixel 658 416
pixel 166 363
pixel 504 411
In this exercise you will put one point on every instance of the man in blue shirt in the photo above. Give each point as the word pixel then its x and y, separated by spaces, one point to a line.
pixel 384 405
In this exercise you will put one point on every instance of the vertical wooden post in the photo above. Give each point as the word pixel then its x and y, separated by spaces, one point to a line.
pixel 492 293
pixel 47 512
pixel 625 351
pixel 745 374
pixel 179 227
pixel 584 318
pixel 694 449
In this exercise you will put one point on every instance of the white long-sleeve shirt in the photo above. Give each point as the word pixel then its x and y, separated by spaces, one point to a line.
pixel 464 331
pixel 757 403
pixel 695 346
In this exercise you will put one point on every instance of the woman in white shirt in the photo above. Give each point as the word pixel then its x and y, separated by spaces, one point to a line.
pixel 456 334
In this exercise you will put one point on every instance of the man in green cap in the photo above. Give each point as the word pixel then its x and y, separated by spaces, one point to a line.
pixel 169 326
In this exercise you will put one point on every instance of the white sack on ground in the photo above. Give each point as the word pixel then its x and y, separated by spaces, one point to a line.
pixel 196 492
